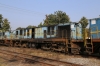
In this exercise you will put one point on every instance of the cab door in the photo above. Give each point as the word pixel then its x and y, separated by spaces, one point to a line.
pixel 45 34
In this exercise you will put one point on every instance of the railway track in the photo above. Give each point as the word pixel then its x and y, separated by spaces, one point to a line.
pixel 40 60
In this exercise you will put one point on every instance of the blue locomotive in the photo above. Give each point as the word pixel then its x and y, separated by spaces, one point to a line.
pixel 65 37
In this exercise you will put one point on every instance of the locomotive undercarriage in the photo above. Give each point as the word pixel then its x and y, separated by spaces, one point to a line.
pixel 59 45
pixel 54 46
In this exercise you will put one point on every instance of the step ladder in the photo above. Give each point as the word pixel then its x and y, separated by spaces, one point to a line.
pixel 69 46
pixel 89 45
pixel 88 42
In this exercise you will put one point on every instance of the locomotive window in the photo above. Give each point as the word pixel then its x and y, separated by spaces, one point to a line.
pixel 93 22
pixel 28 32
pixel 3 33
pixel 48 30
pixel 24 32
pixel 52 30
pixel 16 32
pixel 20 32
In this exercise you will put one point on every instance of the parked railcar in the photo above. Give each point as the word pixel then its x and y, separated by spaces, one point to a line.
pixel 93 43
pixel 95 28
pixel 66 30
pixel 60 37
pixel 64 37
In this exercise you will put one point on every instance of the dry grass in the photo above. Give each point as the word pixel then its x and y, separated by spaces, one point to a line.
pixel 2 62
pixel 52 55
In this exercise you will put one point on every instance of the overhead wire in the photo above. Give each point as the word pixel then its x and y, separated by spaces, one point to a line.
pixel 11 9
pixel 21 10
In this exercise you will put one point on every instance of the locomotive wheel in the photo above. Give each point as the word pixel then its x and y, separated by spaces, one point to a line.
pixel 51 49
pixel 24 45
pixel 11 44
pixel 61 48
pixel 33 45
pixel 19 45
pixel 30 45
pixel 14 44
pixel 75 51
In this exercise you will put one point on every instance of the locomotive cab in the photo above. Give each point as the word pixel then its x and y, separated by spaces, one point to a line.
pixel 70 30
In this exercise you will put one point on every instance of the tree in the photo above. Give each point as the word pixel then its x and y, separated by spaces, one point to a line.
pixel 40 24
pixel 6 25
pixel 56 18
pixel 50 19
pixel 30 26
pixel 61 17
pixel 19 28
pixel 84 23
pixel 1 20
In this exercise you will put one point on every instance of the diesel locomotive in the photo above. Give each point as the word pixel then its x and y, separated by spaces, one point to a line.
pixel 65 37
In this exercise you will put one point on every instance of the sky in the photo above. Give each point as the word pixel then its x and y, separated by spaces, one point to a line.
pixel 22 13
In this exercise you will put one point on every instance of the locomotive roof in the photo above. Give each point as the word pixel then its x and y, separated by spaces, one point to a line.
pixel 94 18
pixel 49 25
pixel 57 24
pixel 24 28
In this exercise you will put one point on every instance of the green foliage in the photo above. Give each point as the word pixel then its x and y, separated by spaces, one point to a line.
pixel 1 21
pixel 56 18
pixel 6 25
pixel 30 26
pixel 50 19
pixel 19 28
pixel 1 18
pixel 40 24
pixel 84 23
pixel 61 17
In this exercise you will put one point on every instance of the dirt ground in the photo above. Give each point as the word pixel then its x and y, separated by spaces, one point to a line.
pixel 85 61
pixel 11 61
